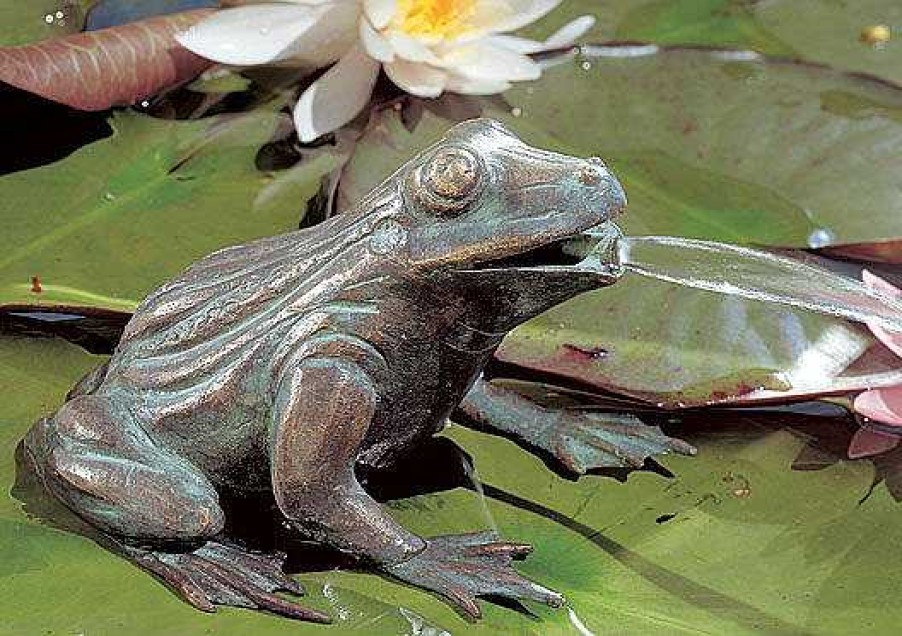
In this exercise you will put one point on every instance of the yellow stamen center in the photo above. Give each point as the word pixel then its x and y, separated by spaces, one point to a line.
pixel 435 19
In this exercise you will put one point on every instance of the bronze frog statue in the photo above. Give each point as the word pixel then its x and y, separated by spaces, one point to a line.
pixel 281 365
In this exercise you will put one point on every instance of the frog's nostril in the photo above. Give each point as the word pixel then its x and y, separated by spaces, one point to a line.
pixel 590 176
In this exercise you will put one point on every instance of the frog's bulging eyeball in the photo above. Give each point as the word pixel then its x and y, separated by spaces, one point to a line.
pixel 449 180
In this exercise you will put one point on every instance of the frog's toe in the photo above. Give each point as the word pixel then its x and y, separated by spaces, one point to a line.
pixel 461 568
pixel 583 441
pixel 222 574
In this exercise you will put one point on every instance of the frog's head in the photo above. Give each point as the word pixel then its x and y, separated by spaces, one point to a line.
pixel 481 199
pixel 481 209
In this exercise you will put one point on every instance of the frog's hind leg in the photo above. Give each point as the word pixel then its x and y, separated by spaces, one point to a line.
pixel 153 507
pixel 580 440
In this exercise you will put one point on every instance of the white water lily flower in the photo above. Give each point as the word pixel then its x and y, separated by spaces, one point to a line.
pixel 425 46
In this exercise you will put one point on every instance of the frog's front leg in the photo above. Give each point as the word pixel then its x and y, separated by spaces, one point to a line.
pixel 323 409
pixel 580 440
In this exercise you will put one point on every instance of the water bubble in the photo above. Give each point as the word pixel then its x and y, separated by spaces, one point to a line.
pixel 586 66
pixel 821 237
pixel 48 18
pixel 516 111
pixel 60 15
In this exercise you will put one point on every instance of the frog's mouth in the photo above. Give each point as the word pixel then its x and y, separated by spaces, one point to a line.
pixel 593 251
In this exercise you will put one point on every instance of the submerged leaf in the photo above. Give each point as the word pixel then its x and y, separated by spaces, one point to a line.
pixel 113 67
pixel 109 13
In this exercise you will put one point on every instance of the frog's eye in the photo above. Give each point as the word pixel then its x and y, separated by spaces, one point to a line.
pixel 449 180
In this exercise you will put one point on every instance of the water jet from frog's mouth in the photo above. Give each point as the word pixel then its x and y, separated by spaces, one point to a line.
pixel 593 251
pixel 759 275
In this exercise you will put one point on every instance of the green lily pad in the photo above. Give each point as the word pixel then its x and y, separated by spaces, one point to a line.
pixel 822 31
pixel 719 23
pixel 27 22
pixel 707 145
pixel 109 223
pixel 829 32
pixel 736 543
pixel 678 347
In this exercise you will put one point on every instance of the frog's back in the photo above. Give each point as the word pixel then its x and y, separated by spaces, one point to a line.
pixel 203 332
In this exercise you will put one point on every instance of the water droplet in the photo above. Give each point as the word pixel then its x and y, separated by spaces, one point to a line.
pixel 821 237
pixel 60 15
pixel 48 18
pixel 586 66
pixel 516 111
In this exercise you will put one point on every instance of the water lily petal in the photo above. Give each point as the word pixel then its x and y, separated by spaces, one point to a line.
pixel 500 16
pixel 892 339
pixel 560 39
pixel 569 33
pixel 375 44
pixel 306 35
pixel 867 442
pixel 379 12
pixel 482 60
pixel 421 80
pixel 253 34
pixel 337 97
pixel 881 405
pixel 515 43
pixel 411 49
pixel 475 86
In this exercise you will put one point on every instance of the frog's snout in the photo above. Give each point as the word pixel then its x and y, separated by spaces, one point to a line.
pixel 601 189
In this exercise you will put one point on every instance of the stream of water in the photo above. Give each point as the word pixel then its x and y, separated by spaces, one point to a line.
pixel 759 275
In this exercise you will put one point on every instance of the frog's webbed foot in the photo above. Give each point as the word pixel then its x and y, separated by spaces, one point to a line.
pixel 462 567
pixel 586 440
pixel 580 440
pixel 224 574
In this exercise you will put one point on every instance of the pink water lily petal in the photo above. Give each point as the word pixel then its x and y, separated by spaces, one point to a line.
pixel 881 405
pixel 337 97
pixel 867 442
pixel 892 339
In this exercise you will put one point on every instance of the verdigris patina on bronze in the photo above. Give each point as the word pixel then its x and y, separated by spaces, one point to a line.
pixel 281 365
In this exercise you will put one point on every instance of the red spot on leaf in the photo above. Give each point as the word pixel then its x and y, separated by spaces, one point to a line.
pixel 586 353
